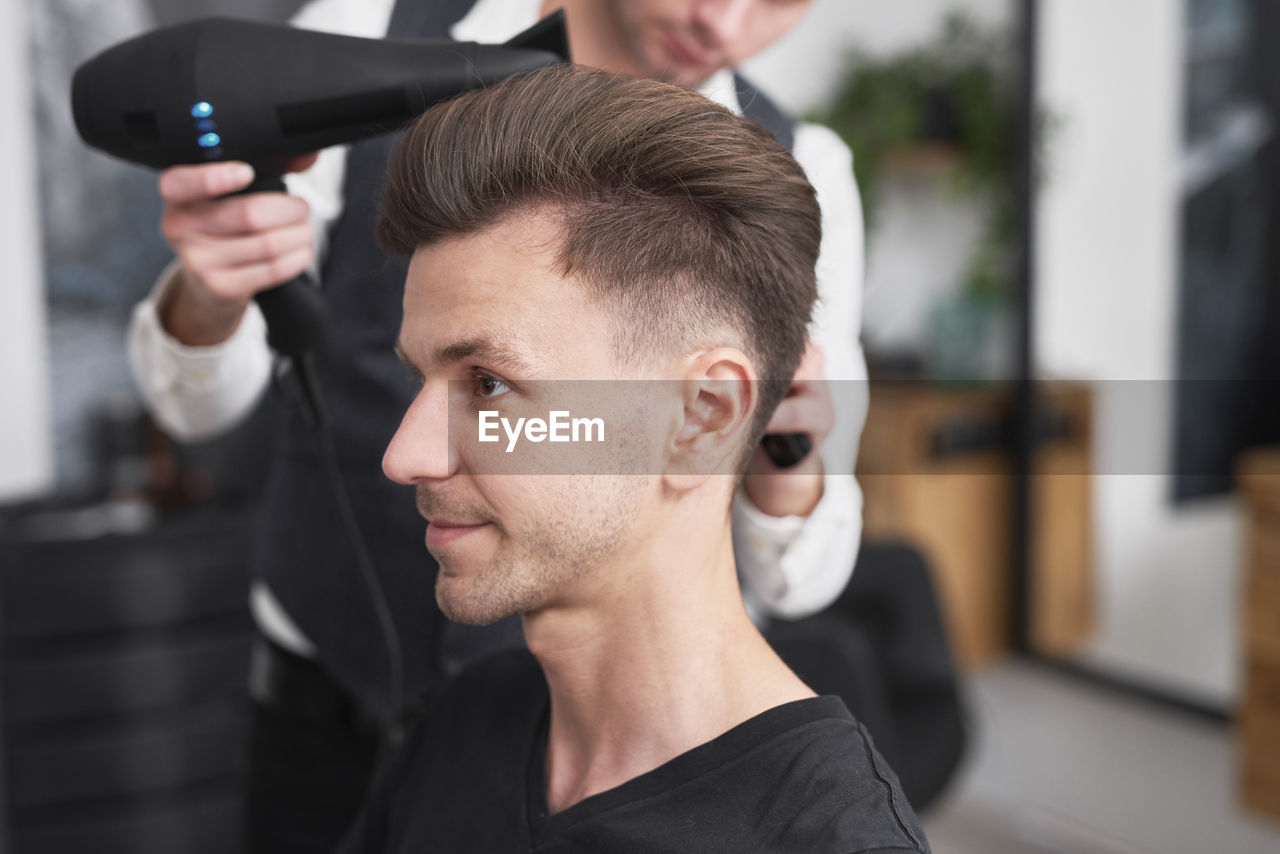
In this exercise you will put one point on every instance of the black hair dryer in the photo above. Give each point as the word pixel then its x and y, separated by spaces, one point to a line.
pixel 222 89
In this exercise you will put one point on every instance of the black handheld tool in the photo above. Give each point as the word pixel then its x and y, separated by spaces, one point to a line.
pixel 786 449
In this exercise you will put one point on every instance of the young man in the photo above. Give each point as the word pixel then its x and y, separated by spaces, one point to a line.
pixel 572 227
pixel 201 361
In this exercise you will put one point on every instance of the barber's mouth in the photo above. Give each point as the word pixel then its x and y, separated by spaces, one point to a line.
pixel 685 53
pixel 441 533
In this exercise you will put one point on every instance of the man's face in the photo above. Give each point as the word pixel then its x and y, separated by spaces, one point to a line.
pixel 490 324
pixel 686 41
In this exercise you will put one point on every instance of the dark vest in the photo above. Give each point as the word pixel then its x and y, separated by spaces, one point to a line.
pixel 303 556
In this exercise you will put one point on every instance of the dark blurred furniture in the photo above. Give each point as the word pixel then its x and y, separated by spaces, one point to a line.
pixel 1258 726
pixel 883 648
pixel 935 468
pixel 124 671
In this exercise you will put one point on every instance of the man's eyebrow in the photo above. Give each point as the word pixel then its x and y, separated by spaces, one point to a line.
pixel 478 348
pixel 485 350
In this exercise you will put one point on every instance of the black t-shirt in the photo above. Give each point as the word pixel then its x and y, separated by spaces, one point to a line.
pixel 802 777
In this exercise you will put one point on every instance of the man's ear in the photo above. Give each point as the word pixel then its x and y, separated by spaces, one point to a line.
pixel 719 397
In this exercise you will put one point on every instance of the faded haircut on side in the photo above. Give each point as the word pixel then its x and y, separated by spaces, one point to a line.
pixel 679 217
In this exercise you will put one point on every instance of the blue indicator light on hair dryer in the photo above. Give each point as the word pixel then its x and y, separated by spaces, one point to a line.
pixel 201 110
pixel 209 140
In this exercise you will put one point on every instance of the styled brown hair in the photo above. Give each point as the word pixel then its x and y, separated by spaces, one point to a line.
pixel 680 217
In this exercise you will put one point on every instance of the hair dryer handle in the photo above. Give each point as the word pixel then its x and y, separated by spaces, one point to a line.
pixel 786 449
pixel 295 315
pixel 294 310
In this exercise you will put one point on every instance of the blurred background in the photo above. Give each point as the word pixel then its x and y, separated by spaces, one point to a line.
pixel 1072 323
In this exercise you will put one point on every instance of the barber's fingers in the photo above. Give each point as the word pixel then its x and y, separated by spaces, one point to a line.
pixel 205 181
pixel 239 215
pixel 810 413
pixel 813 366
pixel 269 233
pixel 807 408
pixel 187 184
pixel 235 268
pixel 237 251
pixel 231 283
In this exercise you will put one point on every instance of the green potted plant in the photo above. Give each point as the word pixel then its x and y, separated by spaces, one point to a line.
pixel 944 108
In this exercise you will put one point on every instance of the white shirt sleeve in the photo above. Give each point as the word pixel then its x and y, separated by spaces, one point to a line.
pixel 198 392
pixel 794 566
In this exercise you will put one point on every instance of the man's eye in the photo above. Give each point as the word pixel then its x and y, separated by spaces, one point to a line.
pixel 487 386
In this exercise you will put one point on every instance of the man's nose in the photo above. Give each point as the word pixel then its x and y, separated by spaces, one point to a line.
pixel 723 22
pixel 421 448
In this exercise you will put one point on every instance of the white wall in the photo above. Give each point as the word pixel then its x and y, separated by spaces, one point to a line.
pixel 1106 311
pixel 26 458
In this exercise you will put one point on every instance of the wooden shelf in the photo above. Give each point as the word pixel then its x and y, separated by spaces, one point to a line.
pixel 1258 729
pixel 955 507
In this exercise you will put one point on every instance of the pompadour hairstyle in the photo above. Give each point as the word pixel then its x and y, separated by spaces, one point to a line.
pixel 681 218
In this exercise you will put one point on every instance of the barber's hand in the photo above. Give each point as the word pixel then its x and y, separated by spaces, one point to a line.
pixel 230 248
pixel 806 409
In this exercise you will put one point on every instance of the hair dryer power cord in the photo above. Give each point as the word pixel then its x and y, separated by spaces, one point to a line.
pixel 313 405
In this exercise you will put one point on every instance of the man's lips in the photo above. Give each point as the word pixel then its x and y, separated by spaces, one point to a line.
pixel 441 532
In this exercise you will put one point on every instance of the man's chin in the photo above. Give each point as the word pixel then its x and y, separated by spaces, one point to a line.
pixel 462 603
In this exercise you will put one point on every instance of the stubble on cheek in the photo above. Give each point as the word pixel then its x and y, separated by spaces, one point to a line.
pixel 546 554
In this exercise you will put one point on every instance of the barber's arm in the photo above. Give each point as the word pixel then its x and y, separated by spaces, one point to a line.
pixel 796 531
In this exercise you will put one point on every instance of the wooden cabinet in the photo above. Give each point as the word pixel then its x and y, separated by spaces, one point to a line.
pixel 1258 724
pixel 934 469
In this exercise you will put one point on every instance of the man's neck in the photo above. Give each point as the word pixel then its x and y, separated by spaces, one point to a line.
pixel 655 667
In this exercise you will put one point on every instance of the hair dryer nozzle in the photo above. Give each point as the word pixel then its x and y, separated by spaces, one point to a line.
pixel 221 89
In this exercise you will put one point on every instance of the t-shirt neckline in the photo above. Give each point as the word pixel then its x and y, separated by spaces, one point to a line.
pixel 746 736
